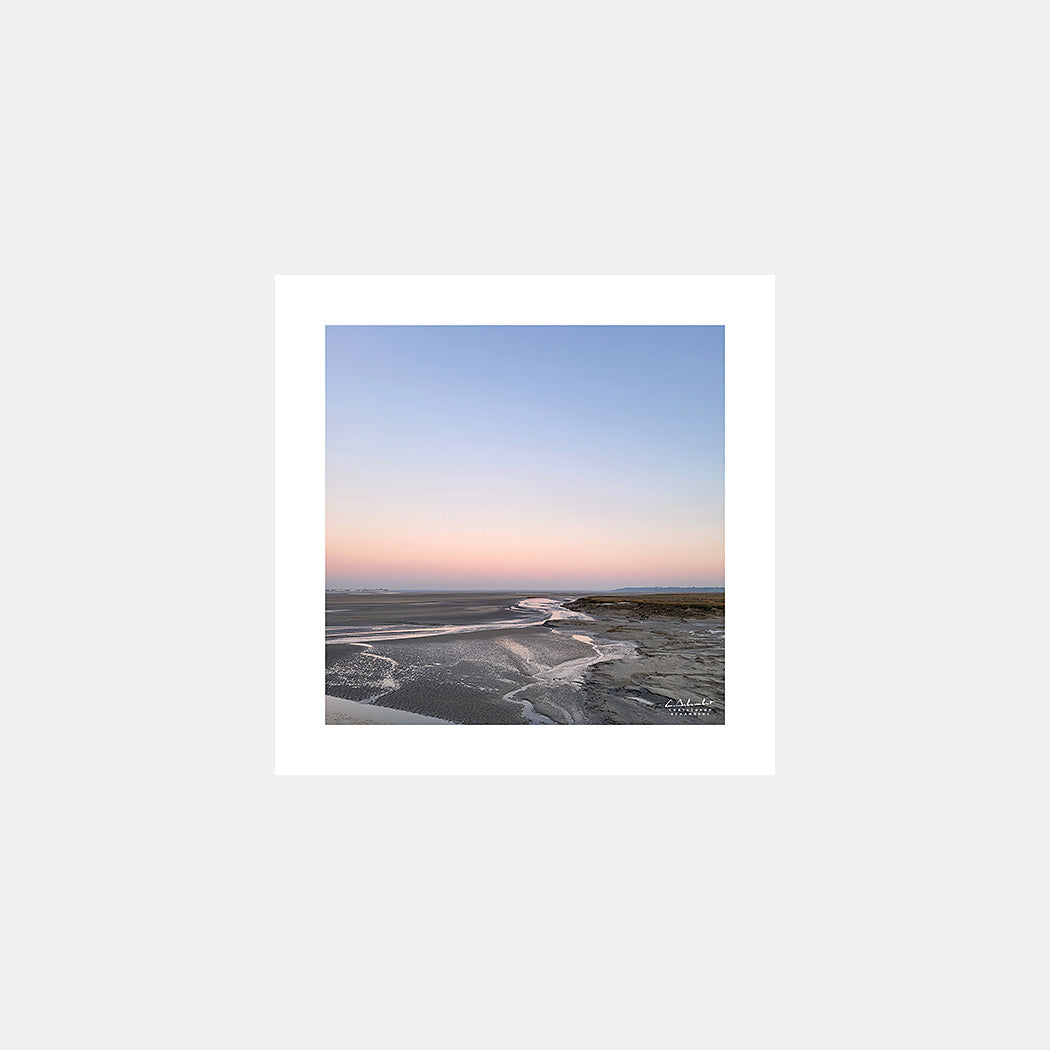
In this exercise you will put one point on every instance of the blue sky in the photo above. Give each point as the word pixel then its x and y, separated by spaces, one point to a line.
pixel 525 456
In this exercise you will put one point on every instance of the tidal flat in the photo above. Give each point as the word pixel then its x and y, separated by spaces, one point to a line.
pixel 539 658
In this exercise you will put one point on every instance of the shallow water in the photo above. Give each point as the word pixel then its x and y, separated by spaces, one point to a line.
pixel 376 618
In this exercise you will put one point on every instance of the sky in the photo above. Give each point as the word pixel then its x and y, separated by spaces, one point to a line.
pixel 505 457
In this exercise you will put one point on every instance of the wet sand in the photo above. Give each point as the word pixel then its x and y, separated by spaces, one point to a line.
pixel 340 712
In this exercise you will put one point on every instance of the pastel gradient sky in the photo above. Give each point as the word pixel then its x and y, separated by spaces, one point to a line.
pixel 555 458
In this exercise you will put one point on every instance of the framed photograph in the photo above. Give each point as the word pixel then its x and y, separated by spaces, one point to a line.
pixel 516 502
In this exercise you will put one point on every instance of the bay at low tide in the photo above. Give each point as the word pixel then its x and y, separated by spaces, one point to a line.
pixel 516 658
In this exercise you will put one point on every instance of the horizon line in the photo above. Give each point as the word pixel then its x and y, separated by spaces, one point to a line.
pixel 558 587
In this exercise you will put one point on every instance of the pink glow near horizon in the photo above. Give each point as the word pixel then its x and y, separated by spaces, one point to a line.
pixel 397 557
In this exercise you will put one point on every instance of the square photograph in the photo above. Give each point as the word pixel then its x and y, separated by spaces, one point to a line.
pixel 524 525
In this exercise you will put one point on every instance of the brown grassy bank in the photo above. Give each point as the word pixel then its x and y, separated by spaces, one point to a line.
pixel 701 606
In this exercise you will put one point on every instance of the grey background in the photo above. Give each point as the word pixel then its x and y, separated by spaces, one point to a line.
pixel 163 887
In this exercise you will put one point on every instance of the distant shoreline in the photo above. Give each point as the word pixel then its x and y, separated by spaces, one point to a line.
pixel 527 590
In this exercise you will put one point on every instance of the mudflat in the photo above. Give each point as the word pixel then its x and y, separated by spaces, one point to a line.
pixel 513 659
